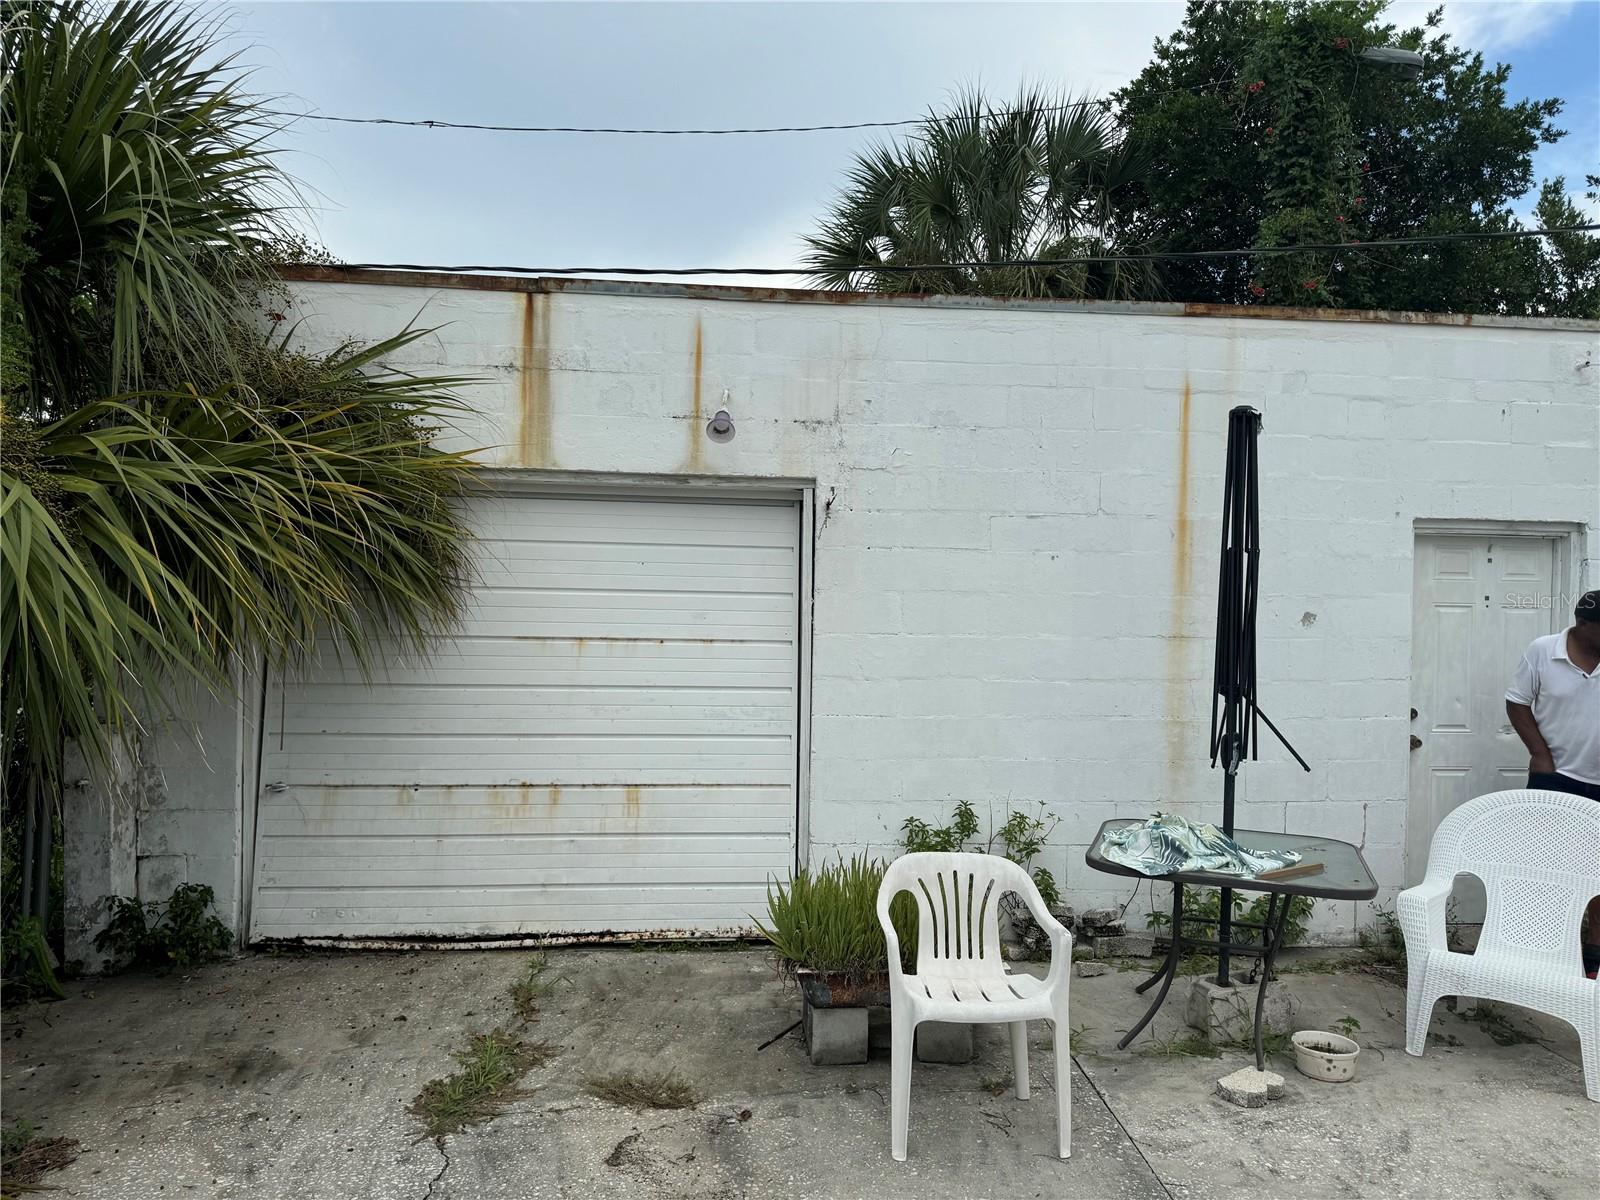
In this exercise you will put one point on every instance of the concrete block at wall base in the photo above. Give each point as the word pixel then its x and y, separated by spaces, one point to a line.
pixel 99 839
pixel 880 1031
pixel 835 1036
pixel 942 1042
pixel 1226 1015
pixel 1129 945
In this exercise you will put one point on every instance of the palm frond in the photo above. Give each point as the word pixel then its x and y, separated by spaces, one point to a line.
pixel 157 534
pixel 976 183
pixel 140 168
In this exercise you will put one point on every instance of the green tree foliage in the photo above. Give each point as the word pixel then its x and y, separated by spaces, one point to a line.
pixel 1037 178
pixel 1264 127
pixel 179 488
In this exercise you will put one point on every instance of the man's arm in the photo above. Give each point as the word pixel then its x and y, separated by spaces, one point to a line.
pixel 1519 707
pixel 1540 760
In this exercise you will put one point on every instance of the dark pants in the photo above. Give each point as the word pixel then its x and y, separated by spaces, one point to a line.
pixel 1553 782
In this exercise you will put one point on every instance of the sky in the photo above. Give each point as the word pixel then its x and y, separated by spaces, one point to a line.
pixel 448 197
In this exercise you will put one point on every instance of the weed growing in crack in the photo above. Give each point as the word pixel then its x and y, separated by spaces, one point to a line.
pixel 491 1068
pixel 530 988
pixel 1499 1026
pixel 643 1089
pixel 1183 1042
pixel 1079 1038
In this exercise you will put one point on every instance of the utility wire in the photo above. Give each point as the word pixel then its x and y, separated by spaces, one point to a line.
pixel 431 124
pixel 905 268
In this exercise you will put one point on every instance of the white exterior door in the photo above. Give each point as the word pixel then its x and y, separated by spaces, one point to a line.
pixel 608 743
pixel 1476 604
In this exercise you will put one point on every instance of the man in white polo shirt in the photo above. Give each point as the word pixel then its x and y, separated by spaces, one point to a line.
pixel 1554 705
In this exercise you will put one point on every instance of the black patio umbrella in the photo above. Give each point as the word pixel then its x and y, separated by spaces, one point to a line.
pixel 1234 711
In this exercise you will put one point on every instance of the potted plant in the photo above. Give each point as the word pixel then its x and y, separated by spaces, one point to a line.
pixel 823 926
pixel 1330 1057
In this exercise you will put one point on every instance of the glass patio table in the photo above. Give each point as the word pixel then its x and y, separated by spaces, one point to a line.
pixel 1344 876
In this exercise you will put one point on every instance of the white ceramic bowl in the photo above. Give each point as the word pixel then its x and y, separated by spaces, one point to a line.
pixel 1330 1057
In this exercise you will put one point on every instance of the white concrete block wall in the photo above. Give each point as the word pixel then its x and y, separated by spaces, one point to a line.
pixel 1014 578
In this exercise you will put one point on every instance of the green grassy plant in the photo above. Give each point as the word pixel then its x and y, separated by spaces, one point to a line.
pixel 492 1066
pixel 826 919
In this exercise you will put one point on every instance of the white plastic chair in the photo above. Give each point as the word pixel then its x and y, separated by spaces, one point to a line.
pixel 1538 855
pixel 961 976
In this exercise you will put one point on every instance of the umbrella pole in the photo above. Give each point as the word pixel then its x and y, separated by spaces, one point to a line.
pixel 1230 750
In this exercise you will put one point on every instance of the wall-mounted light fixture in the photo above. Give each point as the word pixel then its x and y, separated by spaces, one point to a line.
pixel 720 427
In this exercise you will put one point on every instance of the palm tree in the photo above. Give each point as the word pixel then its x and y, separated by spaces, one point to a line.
pixel 1036 180
pixel 178 489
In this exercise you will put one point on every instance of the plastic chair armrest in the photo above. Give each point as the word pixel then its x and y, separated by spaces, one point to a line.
pixel 1421 911
pixel 891 937
pixel 1060 935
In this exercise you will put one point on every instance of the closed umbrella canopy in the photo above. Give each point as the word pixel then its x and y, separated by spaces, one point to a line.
pixel 1234 711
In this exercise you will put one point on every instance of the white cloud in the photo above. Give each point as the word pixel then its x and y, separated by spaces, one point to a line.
pixel 1493 26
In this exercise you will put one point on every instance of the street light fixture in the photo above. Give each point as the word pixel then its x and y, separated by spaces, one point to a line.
pixel 1406 63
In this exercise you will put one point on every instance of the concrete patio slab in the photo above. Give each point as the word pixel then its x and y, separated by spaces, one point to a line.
pixel 291 1076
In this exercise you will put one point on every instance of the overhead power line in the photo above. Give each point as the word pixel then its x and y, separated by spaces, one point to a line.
pixel 904 121
pixel 915 268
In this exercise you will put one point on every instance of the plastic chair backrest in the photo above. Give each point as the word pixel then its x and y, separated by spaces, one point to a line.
pixel 1538 856
pixel 958 907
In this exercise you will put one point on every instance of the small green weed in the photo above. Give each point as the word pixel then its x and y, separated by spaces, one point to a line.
pixel 1181 1042
pixel 180 933
pixel 995 1085
pixel 491 1067
pixel 1383 945
pixel 643 1089
pixel 1348 1026
pixel 530 988
pixel 1498 1025
pixel 1274 1042
pixel 1080 1038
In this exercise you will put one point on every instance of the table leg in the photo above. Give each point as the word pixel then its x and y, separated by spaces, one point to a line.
pixel 1266 924
pixel 1167 973
pixel 1272 938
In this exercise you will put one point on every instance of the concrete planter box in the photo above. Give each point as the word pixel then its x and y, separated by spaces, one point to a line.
pixel 838 1022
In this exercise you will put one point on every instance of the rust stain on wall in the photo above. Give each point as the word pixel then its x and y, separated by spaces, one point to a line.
pixel 533 416
pixel 696 412
pixel 1176 681
pixel 553 794
pixel 630 801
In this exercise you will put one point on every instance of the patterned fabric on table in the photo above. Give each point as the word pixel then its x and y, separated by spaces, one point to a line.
pixel 1166 843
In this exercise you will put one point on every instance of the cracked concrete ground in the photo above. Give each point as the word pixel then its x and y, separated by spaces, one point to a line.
pixel 273 1077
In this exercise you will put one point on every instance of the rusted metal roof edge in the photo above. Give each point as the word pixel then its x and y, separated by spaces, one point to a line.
pixel 720 292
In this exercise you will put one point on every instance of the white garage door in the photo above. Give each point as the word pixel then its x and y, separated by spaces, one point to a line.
pixel 607 744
